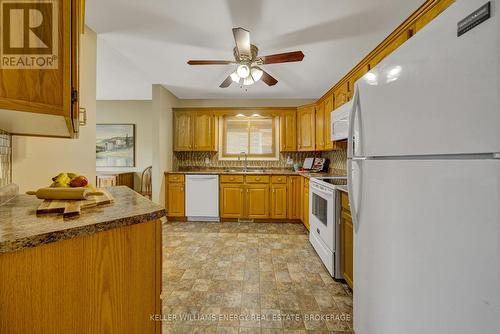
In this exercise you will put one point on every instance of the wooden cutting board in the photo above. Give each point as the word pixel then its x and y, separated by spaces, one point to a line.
pixel 74 208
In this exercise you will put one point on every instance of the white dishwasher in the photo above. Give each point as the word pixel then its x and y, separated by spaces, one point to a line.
pixel 202 197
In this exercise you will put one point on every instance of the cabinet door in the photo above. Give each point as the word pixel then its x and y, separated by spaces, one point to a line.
pixel 183 131
pixel 288 131
pixel 204 132
pixel 175 200
pixel 306 129
pixel 347 246
pixel 305 211
pixel 295 197
pixel 320 126
pixel 41 80
pixel 327 124
pixel 341 95
pixel 279 201
pixel 231 200
pixel 257 201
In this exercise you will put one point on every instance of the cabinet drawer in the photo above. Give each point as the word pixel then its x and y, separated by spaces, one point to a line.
pixel 231 178
pixel 257 179
pixel 345 201
pixel 175 177
pixel 278 179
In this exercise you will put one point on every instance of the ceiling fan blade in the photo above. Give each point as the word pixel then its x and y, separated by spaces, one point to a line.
pixel 283 57
pixel 210 62
pixel 242 39
pixel 226 83
pixel 268 78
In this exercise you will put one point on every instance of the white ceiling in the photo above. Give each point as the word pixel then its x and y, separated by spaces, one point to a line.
pixel 147 42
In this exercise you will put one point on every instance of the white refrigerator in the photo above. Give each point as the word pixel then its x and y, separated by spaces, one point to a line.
pixel 424 182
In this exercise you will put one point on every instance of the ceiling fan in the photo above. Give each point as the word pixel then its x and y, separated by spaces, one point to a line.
pixel 246 56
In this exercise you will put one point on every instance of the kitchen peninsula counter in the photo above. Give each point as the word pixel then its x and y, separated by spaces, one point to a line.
pixel 20 227
pixel 99 273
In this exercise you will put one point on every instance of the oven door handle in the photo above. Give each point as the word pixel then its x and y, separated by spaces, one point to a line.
pixel 327 193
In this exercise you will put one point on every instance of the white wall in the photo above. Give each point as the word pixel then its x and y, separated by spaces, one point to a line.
pixel 163 102
pixel 140 113
pixel 36 160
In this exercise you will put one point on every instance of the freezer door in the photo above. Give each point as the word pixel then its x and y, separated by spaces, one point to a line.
pixel 427 247
pixel 437 93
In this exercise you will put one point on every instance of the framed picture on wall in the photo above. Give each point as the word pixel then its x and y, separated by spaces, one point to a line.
pixel 115 145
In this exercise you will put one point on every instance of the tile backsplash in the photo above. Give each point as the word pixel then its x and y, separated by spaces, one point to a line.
pixel 187 160
pixel 5 158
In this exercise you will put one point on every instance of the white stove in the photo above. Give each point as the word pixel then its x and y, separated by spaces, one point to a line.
pixel 324 232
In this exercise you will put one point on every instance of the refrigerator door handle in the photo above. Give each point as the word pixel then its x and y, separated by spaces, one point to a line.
pixel 350 130
pixel 351 158
pixel 350 194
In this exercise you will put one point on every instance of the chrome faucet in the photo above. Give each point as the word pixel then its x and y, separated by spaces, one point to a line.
pixel 245 168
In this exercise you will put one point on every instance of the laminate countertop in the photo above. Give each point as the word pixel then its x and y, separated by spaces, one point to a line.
pixel 21 228
pixel 271 171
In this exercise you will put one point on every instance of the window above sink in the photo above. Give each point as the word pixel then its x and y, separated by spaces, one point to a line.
pixel 255 135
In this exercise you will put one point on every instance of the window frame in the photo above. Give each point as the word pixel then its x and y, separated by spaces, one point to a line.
pixel 274 155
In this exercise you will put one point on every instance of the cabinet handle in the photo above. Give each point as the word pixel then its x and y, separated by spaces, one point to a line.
pixel 241 190
pixel 257 179
pixel 182 189
pixel 248 191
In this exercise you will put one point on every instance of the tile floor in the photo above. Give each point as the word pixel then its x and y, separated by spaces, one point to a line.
pixel 248 278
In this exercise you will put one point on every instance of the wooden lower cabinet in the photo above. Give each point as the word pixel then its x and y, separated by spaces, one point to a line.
pixel 232 200
pixel 106 282
pixel 295 197
pixel 257 201
pixel 347 238
pixel 305 203
pixel 175 196
pixel 279 201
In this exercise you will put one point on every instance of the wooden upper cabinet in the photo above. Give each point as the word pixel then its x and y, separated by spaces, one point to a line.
pixel 41 97
pixel 327 124
pixel 341 95
pixel 204 132
pixel 288 131
pixel 390 46
pixel 183 131
pixel 320 126
pixel 306 128
pixel 195 131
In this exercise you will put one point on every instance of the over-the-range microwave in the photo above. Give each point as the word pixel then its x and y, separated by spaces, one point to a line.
pixel 340 121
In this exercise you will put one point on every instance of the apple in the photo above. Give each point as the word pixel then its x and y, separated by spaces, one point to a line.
pixel 79 181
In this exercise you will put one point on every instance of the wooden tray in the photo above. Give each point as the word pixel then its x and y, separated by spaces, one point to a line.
pixel 74 208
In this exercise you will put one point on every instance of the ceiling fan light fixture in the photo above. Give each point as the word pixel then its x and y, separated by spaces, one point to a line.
pixel 235 77
pixel 248 81
pixel 243 71
pixel 256 73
